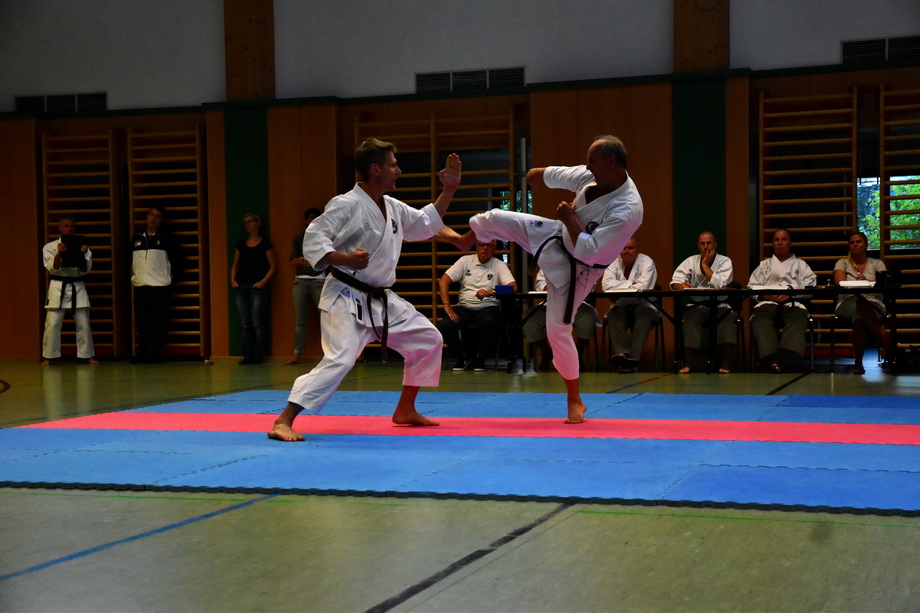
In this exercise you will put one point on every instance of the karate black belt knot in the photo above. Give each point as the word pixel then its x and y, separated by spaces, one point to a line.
pixel 67 281
pixel 378 293
pixel 570 300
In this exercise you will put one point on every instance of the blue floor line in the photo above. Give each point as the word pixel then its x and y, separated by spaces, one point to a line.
pixel 131 539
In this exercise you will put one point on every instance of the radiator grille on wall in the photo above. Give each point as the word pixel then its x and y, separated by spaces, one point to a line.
pixel 65 104
pixel 881 49
pixel 469 80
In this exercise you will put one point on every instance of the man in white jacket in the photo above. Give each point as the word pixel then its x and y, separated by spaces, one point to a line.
pixel 360 235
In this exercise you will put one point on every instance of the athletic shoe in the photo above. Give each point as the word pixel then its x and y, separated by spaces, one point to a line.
pixel 461 365
pixel 479 365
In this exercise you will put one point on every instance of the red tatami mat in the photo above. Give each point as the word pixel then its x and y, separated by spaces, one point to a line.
pixel 875 434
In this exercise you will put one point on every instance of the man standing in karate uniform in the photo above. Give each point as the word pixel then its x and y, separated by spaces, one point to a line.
pixel 360 236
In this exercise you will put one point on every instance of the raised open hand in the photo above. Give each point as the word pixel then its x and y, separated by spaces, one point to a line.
pixel 450 176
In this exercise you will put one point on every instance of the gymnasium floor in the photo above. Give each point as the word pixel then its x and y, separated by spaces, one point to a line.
pixel 172 549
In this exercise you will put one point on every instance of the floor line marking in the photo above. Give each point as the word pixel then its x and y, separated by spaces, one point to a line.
pixel 136 537
pixel 787 384
pixel 462 563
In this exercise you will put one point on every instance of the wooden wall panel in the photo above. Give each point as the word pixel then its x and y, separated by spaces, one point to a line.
pixel 285 192
pixel 647 136
pixel 302 157
pixel 217 235
pixel 249 49
pixel 740 204
pixel 701 35
pixel 554 141
pixel 21 310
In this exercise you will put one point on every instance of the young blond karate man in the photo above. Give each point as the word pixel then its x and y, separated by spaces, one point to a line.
pixel 360 235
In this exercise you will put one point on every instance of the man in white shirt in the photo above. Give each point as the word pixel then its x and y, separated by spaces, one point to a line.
pixel 775 310
pixel 477 274
pixel 707 270
pixel 630 318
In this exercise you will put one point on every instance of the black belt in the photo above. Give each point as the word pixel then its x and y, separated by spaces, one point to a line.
pixel 67 281
pixel 380 293
pixel 570 300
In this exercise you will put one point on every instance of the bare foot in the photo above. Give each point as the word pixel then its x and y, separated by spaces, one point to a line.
pixel 294 359
pixel 724 371
pixel 283 432
pixel 92 361
pixel 412 418
pixel 685 370
pixel 45 362
pixel 576 412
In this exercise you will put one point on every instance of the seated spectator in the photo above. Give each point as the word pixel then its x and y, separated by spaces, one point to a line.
pixel 865 311
pixel 779 311
pixel 478 274
pixel 630 318
pixel 708 270
pixel 586 321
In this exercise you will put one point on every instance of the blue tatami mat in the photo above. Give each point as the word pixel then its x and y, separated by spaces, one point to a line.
pixel 783 475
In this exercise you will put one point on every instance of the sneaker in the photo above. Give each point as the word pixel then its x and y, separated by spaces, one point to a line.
pixel 479 365
pixel 460 365
pixel 517 368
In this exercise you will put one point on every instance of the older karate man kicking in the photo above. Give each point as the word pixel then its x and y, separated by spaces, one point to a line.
pixel 573 250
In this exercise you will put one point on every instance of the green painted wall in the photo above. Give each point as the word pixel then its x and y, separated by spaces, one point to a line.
pixel 699 164
pixel 246 150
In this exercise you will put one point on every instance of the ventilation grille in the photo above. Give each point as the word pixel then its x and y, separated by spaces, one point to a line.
pixel 881 49
pixel 906 47
pixel 469 80
pixel 67 104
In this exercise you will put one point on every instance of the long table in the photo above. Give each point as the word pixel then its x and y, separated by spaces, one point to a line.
pixel 512 304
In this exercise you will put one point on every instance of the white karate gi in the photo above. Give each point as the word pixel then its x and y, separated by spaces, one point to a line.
pixel 607 224
pixel 629 312
pixel 794 273
pixel 690 271
pixel 59 299
pixel 353 221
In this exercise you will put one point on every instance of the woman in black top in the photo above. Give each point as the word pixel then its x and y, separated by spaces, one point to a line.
pixel 253 267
